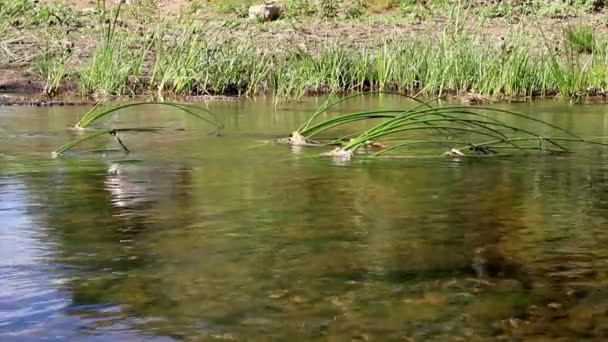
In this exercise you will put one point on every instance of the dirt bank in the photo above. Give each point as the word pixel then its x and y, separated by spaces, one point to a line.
pixel 76 28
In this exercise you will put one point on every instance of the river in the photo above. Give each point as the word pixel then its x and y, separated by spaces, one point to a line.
pixel 195 236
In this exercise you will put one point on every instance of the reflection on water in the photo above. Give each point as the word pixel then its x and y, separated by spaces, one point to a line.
pixel 28 297
pixel 200 237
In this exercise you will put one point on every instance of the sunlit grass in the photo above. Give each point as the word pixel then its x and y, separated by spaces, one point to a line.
pixel 462 129
pixel 116 63
pixel 98 112
pixel 187 57
pixel 581 38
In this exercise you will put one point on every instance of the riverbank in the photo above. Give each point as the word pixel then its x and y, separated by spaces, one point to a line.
pixel 480 53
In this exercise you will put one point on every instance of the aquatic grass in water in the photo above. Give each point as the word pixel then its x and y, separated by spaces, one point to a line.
pixel 96 113
pixel 200 113
pixel 481 130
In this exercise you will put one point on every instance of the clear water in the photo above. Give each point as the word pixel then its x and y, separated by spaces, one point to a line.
pixel 199 237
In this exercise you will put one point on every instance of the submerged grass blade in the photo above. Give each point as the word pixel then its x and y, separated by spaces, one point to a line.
pixel 328 105
pixel 205 115
pixel 80 140
pixel 415 142
pixel 112 131
pixel 95 114
pixel 87 137
pixel 450 121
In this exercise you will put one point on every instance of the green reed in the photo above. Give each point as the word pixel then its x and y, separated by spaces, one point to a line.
pixel 479 129
pixel 190 63
pixel 581 38
pixel 52 67
pixel 187 58
pixel 98 112
pixel 116 64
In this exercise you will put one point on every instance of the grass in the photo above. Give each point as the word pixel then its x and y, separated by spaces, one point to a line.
pixel 192 65
pixel 239 8
pixel 581 38
pixel 98 112
pixel 116 66
pixel 473 130
pixel 189 57
pixel 477 131
pixel 27 13
pixel 188 61
pixel 52 67
pixel 452 64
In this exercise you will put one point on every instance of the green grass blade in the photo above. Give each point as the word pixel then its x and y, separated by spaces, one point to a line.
pixel 93 116
pixel 329 105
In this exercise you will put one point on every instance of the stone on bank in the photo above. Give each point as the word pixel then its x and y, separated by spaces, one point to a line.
pixel 268 12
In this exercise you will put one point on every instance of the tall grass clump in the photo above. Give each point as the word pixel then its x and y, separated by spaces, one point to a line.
pixel 177 62
pixel 188 58
pixel 190 64
pixel 51 66
pixel 355 9
pixel 327 8
pixel 295 8
pixel 452 64
pixel 412 10
pixel 116 64
pixel 36 13
pixel 581 38
pixel 236 68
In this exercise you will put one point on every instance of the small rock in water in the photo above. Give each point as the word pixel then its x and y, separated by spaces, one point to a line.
pixel 453 153
pixel 554 306
pixel 296 300
pixel 339 153
pixel 473 99
pixel 360 337
pixel 268 12
pixel 508 285
pixel 278 294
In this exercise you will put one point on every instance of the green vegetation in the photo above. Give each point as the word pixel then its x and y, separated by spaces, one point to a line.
pixel 115 68
pixel 581 38
pixel 51 66
pixel 193 65
pixel 24 13
pixel 483 131
pixel 97 112
pixel 480 130
pixel 236 7
pixel 134 50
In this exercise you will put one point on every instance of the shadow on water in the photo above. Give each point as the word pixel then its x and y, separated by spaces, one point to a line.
pixel 203 238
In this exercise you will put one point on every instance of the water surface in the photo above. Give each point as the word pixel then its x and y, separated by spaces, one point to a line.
pixel 199 237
